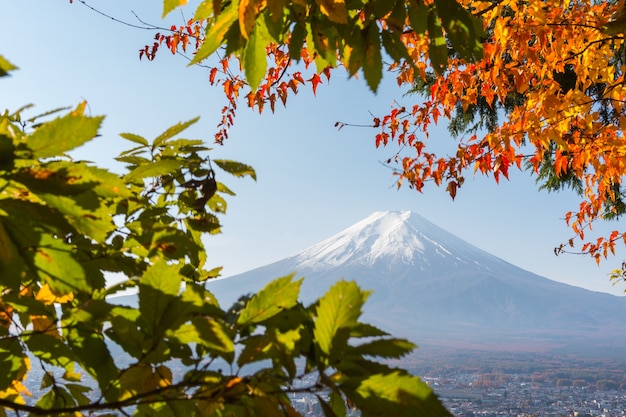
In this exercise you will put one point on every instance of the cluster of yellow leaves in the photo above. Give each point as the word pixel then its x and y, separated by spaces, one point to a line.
pixel 552 58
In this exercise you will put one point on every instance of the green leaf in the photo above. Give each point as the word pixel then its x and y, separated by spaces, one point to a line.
pixel 47 380
pixel 78 392
pixel 437 46
pixel 338 404
pixel 328 409
pixel 133 160
pixel 278 295
pixel 395 48
pixel 324 37
pixel 176 146
pixel 135 138
pixel 187 333
pixel 256 348
pixel 338 309
pixel 367 330
pixel 63 134
pixel 204 10
pixel 12 265
pixel 126 332
pixel 29 220
pixel 169 5
pixel 158 291
pixel 12 362
pixel 50 349
pixel 44 114
pixel 57 397
pixel 463 30
pixel 72 178
pixel 383 7
pixel 254 56
pixel 216 32
pixel 175 244
pixel 173 131
pixel 154 169
pixel 266 405
pixel 207 223
pixel 373 62
pixel 56 264
pixel 93 355
pixel 207 332
pixel 275 21
pixel 418 16
pixel 385 348
pixel 84 212
pixel 397 394
pixel 357 43
pixel 5 66
pixel 201 300
pixel 298 35
pixel 236 168
pixel 7 153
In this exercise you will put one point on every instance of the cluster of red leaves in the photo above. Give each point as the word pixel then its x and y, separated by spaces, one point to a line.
pixel 280 79
pixel 178 37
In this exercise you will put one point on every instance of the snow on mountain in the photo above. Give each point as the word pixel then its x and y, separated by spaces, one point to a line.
pixel 386 236
pixel 392 239
pixel 381 235
pixel 430 285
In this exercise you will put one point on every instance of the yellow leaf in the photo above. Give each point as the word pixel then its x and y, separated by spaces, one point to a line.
pixel 46 296
pixel 248 11
pixel 21 388
pixel 334 9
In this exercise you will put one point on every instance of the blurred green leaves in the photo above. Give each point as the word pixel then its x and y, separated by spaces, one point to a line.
pixel 66 224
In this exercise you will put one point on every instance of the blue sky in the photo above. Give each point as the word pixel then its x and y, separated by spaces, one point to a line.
pixel 313 180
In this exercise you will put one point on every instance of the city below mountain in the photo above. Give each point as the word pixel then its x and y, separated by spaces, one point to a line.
pixel 438 290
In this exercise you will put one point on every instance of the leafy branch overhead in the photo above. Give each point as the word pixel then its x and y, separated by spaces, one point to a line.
pixel 328 32
pixel 520 85
pixel 68 348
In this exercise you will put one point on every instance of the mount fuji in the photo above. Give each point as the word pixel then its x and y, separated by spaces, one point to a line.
pixel 436 289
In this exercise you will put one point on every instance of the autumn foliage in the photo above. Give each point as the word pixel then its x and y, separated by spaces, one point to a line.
pixel 68 348
pixel 550 73
pixel 558 77
pixel 521 84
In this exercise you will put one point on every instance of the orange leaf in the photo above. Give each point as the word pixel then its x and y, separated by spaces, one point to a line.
pixel 315 80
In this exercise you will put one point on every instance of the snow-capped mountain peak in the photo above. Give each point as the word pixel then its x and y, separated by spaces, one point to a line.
pixel 390 236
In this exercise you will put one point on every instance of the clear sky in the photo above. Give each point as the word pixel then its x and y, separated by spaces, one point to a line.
pixel 313 180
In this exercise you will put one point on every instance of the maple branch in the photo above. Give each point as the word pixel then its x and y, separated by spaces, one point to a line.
pixel 341 125
pixel 148 25
pixel 489 8
pixel 581 25
pixel 145 27
pixel 588 45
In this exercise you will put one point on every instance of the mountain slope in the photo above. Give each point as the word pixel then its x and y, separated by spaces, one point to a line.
pixel 433 287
